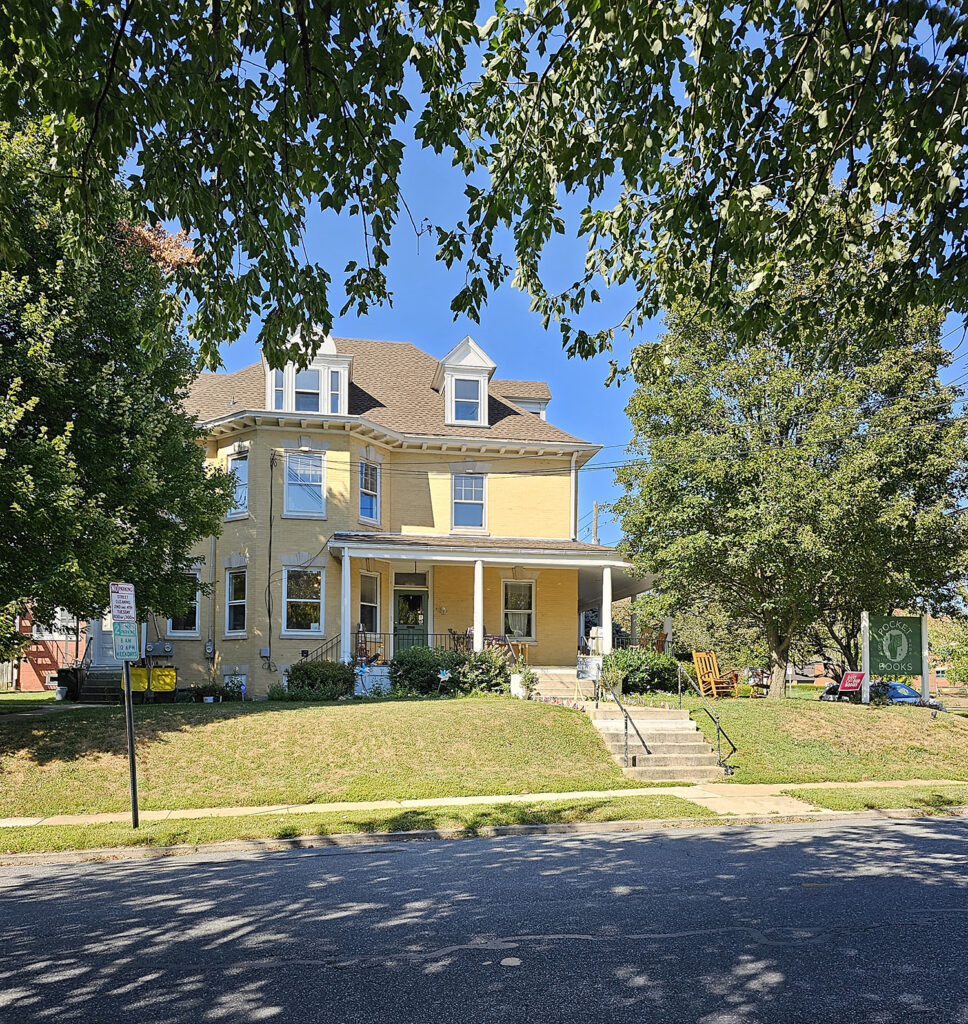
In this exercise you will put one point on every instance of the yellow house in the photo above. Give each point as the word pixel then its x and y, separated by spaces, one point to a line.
pixel 384 499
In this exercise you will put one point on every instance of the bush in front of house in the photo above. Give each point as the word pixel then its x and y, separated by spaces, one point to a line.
pixel 643 671
pixel 316 681
pixel 416 671
pixel 485 672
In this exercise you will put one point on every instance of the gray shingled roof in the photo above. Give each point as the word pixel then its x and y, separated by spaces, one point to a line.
pixel 391 386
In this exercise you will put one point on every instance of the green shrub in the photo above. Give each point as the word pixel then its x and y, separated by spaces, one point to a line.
pixel 316 681
pixel 643 671
pixel 485 672
pixel 416 670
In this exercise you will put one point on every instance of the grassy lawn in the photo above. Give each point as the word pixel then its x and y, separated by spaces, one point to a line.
pixel 23 700
pixel 193 755
pixel 814 741
pixel 922 798
pixel 472 819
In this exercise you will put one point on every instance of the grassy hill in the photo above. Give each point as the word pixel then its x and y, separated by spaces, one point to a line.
pixel 806 740
pixel 194 755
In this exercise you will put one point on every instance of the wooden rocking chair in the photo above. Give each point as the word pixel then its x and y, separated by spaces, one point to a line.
pixel 711 681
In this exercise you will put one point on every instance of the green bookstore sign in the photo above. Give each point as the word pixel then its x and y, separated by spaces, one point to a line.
pixel 895 645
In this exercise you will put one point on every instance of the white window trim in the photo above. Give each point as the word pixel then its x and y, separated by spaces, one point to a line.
pixel 359 603
pixel 341 403
pixel 284 630
pixel 288 513
pixel 237 634
pixel 188 634
pixel 534 607
pixel 242 513
pixel 318 391
pixel 454 528
pixel 379 509
pixel 451 395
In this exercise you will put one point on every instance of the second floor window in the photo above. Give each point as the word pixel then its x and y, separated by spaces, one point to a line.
pixel 239 465
pixel 305 484
pixel 370 491
pixel 235 601
pixel 307 391
pixel 468 500
pixel 278 390
pixel 187 622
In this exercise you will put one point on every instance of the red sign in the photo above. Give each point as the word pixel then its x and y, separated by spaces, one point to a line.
pixel 851 682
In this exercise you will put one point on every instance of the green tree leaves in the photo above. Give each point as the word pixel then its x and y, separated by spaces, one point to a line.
pixel 101 472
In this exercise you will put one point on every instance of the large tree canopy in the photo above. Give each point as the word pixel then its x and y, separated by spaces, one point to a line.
pixel 686 138
pixel 102 474
pixel 794 491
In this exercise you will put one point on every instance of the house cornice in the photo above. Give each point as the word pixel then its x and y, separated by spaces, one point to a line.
pixel 372 432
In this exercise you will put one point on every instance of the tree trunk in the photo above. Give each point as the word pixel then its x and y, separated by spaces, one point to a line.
pixel 779 650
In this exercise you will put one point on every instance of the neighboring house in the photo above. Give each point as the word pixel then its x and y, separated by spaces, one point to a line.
pixel 50 648
pixel 385 492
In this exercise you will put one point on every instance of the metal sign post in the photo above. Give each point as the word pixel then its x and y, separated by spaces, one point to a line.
pixel 124 627
pixel 925 665
pixel 865 657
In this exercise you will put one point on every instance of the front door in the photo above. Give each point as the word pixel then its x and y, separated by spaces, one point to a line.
pixel 409 619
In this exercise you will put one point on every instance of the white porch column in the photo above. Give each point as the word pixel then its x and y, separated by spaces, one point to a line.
pixel 478 605
pixel 667 629
pixel 345 629
pixel 606 609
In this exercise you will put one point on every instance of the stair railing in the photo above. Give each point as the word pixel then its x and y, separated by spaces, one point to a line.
pixel 328 650
pixel 627 718
pixel 714 715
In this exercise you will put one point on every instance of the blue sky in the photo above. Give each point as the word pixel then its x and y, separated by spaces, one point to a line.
pixel 508 331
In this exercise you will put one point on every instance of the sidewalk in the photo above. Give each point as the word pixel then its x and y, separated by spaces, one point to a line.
pixel 723 798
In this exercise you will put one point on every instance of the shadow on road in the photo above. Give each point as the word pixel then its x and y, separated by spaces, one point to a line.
pixel 818 922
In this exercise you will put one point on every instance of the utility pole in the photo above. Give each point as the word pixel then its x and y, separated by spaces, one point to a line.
pixel 594 522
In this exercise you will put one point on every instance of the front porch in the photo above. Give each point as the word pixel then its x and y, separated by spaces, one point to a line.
pixel 468 593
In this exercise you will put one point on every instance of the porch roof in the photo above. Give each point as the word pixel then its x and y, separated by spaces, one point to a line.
pixel 588 559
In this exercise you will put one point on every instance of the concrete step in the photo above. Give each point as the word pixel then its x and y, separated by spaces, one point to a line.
pixel 686 774
pixel 643 760
pixel 605 713
pixel 695 746
pixel 663 729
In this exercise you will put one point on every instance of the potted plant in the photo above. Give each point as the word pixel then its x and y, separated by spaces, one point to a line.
pixel 523 679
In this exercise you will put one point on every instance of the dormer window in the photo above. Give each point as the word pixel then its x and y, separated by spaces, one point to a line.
pixel 462 377
pixel 322 387
pixel 336 391
pixel 307 391
pixel 467 399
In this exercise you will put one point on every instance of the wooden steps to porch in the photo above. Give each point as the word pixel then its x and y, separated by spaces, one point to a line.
pixel 563 683
pixel 666 745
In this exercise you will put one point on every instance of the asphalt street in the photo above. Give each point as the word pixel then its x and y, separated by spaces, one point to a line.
pixel 809 922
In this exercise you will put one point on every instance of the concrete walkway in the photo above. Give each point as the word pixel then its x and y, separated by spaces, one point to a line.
pixel 723 798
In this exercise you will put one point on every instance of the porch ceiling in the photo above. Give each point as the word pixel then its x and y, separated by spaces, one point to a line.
pixel 623 585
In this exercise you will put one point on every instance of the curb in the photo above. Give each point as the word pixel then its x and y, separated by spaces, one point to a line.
pixel 254 847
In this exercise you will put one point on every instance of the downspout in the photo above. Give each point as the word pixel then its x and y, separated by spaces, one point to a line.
pixel 210 643
pixel 574 496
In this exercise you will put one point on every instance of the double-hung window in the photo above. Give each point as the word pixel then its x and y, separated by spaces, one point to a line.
pixel 467 399
pixel 370 491
pixel 307 391
pixel 519 609
pixel 370 602
pixel 278 390
pixel 239 466
pixel 305 484
pixel 468 503
pixel 302 606
pixel 186 624
pixel 235 601
pixel 335 392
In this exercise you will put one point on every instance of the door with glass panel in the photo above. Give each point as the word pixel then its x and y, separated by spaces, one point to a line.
pixel 409 619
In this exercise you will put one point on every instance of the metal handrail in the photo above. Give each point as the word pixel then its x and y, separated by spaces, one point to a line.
pixel 720 731
pixel 325 651
pixel 627 718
